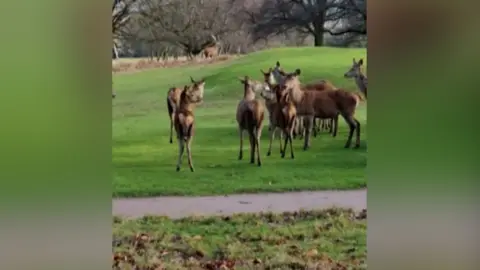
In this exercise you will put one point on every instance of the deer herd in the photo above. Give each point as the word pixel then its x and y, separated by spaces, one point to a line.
pixel 293 109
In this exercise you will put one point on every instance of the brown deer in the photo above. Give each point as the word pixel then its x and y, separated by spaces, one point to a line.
pixel 324 104
pixel 355 72
pixel 277 74
pixel 173 99
pixel 283 115
pixel 185 123
pixel 250 115
pixel 271 103
pixel 211 50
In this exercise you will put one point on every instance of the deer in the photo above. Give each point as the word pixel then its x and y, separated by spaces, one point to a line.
pixel 185 123
pixel 250 115
pixel 326 104
pixel 355 72
pixel 282 116
pixel 270 104
pixel 211 50
pixel 277 74
pixel 173 98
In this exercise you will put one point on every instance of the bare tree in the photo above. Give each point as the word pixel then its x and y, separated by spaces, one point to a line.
pixel 121 11
pixel 189 24
pixel 313 17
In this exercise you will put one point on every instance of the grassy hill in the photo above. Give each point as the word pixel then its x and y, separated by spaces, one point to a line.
pixel 144 161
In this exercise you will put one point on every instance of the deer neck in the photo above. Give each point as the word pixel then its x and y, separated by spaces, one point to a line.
pixel 186 106
pixel 248 94
pixel 360 80
pixel 296 94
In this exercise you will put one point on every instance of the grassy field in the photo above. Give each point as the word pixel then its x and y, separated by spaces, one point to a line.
pixel 144 161
pixel 331 239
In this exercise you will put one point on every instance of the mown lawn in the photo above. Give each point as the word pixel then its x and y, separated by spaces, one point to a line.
pixel 329 239
pixel 144 160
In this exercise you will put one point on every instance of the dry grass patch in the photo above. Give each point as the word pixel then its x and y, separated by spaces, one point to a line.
pixel 139 64
pixel 330 239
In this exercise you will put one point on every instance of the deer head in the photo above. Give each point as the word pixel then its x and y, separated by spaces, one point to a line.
pixel 198 86
pixel 355 69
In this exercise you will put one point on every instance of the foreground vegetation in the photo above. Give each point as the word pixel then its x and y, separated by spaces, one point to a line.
pixel 329 239
pixel 144 161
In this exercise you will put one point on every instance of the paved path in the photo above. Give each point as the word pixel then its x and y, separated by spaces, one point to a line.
pixel 176 207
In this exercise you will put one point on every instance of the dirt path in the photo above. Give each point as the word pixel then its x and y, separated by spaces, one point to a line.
pixel 176 207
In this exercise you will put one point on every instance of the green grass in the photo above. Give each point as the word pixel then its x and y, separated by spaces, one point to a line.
pixel 330 239
pixel 144 161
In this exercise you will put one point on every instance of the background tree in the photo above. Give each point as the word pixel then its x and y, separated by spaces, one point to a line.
pixel 313 17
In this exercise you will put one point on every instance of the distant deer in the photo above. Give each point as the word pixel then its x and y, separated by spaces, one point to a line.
pixel 173 99
pixel 283 115
pixel 185 123
pixel 250 115
pixel 355 72
pixel 324 104
pixel 211 51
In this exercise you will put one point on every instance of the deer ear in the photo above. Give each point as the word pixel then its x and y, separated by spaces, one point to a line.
pixel 241 80
pixel 191 79
pixel 263 72
pixel 278 64
pixel 360 62
pixel 297 71
pixel 270 70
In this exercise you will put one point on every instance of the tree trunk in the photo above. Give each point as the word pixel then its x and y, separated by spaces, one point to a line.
pixel 318 39
pixel 115 51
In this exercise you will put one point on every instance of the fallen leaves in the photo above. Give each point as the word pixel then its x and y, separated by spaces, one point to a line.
pixel 296 240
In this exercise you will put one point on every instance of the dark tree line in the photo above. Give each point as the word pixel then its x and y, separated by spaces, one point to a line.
pixel 186 27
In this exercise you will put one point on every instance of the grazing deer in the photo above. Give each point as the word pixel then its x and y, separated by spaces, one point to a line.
pixel 173 98
pixel 355 71
pixel 324 104
pixel 283 116
pixel 185 123
pixel 250 115
pixel 211 51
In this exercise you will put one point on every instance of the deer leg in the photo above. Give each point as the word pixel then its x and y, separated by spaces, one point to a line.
pixel 189 154
pixel 240 153
pixel 272 136
pixel 181 147
pixel 280 135
pixel 291 146
pixel 258 134
pixel 351 123
pixel 171 127
pixel 357 143
pixel 330 126
pixel 285 144
pixel 316 126
pixel 308 122
pixel 252 146
pixel 335 124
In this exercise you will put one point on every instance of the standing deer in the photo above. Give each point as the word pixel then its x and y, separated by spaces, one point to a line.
pixel 185 123
pixel 271 103
pixel 173 99
pixel 282 116
pixel 279 74
pixel 355 72
pixel 211 51
pixel 324 104
pixel 250 115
